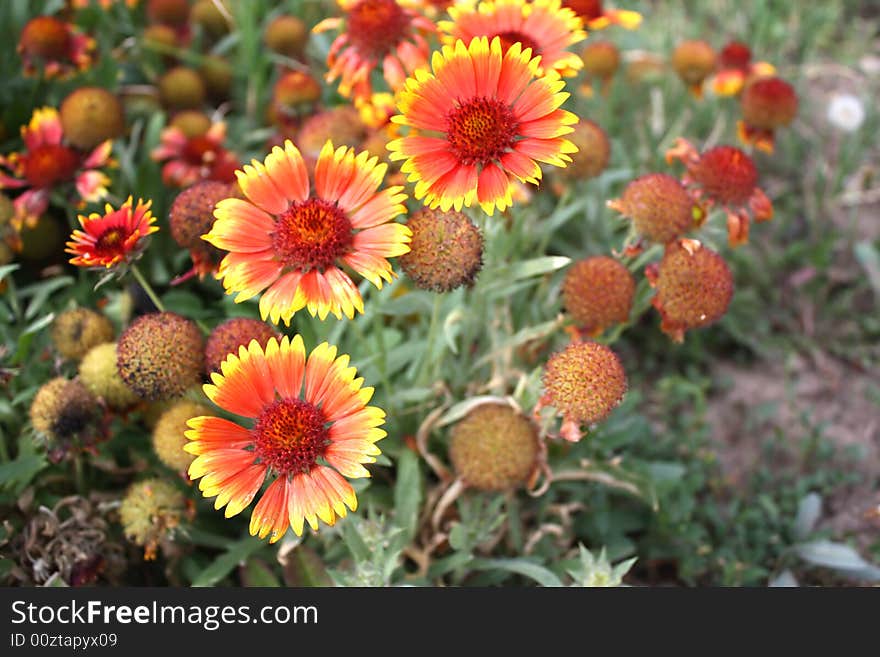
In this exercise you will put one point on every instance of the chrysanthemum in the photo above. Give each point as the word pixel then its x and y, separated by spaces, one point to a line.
pixel 113 238
pixel 375 33
pixel 292 241
pixel 54 46
pixel 311 428
pixel 482 120
pixel 48 163
pixel 189 159
pixel 545 26
pixel 727 177
pixel 597 17
pixel 736 68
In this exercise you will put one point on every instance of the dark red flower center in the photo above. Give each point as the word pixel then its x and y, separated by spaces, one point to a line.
pixel 510 37
pixel 736 55
pixel 481 130
pixel 290 435
pixel 200 150
pixel 46 37
pixel 50 164
pixel 110 241
pixel 375 27
pixel 312 234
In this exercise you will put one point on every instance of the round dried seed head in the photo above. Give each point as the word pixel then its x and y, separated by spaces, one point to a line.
pixel 91 115
pixel 601 59
pixel 160 355
pixel 150 512
pixel 446 250
pixel 494 448
pixel 598 293
pixel 727 175
pixel 169 438
pixel 694 61
pixel 63 410
pixel 182 88
pixel 75 332
pixel 769 103
pixel 660 207
pixel 227 337
pixel 594 151
pixel 287 35
pixel 584 382
pixel 99 375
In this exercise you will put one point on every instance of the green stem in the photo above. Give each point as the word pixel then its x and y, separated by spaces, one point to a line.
pixel 79 475
pixel 432 336
pixel 4 452
pixel 139 277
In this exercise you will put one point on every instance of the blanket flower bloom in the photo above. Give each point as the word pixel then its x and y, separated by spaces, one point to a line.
pixel 291 241
pixel 189 159
pixel 116 237
pixel 736 69
pixel 376 32
pixel 545 26
pixel 47 163
pixel 54 46
pixel 725 176
pixel 311 429
pixel 480 122
pixel 597 17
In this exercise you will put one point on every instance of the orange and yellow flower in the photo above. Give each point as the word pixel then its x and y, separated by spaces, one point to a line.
pixel 55 47
pixel 311 428
pixel 544 26
pixel 736 68
pixel 191 159
pixel 292 241
pixel 114 238
pixel 375 33
pixel 48 163
pixel 727 177
pixel 480 122
pixel 597 17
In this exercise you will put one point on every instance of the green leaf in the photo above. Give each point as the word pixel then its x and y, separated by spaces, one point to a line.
pixel 303 567
pixel 869 258
pixel 16 475
pixel 5 270
pixel 530 569
pixel 224 564
pixel 255 573
pixel 408 492
pixel 528 268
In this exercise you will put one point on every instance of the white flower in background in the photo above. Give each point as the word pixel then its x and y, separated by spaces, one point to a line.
pixel 846 112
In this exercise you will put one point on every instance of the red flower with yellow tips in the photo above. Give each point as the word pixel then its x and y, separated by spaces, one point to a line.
pixel 114 238
pixel 736 69
pixel 544 26
pixel 189 159
pixel 767 104
pixel 597 17
pixel 479 123
pixel 292 241
pixel 375 33
pixel 48 163
pixel 725 176
pixel 54 46
pixel 310 429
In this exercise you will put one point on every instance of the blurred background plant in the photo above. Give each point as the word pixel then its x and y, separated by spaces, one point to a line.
pixel 748 455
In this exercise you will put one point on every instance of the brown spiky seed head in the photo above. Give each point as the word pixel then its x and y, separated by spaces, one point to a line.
pixel 494 448
pixel 182 88
pixel 160 355
pixel 295 88
pixel 160 36
pixel 726 174
pixel 168 436
pixel 99 375
pixel 287 35
pixel 598 293
pixel 62 410
pixel 601 59
pixel 341 125
pixel 660 207
pixel 227 337
pixel 216 72
pixel 584 382
pixel 208 16
pixel 45 37
pixel 91 115
pixel 446 250
pixel 694 286
pixel 594 151
pixel 75 332
pixel 192 214
pixel 150 512
pixel 694 61
pixel 769 103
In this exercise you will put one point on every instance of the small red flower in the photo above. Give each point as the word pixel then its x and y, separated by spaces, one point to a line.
pixel 597 17
pixel 736 69
pixel 194 158
pixel 54 46
pixel 112 239
pixel 767 104
pixel 727 177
